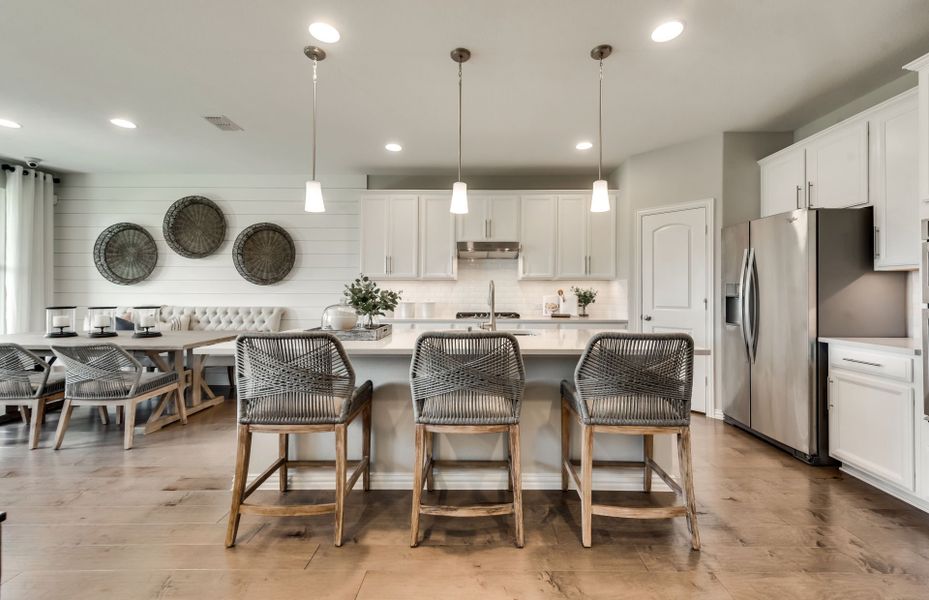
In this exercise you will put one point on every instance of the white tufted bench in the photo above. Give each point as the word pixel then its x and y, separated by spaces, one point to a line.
pixel 228 318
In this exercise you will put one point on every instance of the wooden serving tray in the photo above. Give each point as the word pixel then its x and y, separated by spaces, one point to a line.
pixel 359 334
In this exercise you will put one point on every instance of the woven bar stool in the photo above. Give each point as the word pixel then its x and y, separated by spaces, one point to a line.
pixel 466 383
pixel 632 384
pixel 26 381
pixel 297 383
pixel 105 375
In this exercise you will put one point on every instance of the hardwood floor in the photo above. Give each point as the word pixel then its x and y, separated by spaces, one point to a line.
pixel 92 521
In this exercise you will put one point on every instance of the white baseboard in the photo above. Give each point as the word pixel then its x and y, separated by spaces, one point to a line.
pixel 613 479
pixel 905 495
pixel 718 414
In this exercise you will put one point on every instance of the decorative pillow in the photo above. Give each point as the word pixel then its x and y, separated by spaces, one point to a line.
pixel 174 324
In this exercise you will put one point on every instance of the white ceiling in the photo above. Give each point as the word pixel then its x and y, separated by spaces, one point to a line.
pixel 530 87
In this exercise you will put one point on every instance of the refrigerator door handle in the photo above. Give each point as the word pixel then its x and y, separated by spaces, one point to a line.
pixel 750 306
pixel 753 276
pixel 743 291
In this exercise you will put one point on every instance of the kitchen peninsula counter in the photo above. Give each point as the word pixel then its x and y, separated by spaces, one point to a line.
pixel 549 356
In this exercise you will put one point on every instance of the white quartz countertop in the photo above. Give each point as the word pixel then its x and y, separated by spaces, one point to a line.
pixel 905 345
pixel 501 323
pixel 548 342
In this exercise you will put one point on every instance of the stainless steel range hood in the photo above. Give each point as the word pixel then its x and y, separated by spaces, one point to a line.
pixel 484 250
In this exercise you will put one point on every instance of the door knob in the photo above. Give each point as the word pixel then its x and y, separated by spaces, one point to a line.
pixel 646 317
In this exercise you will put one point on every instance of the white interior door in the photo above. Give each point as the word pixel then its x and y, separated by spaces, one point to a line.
pixel 674 294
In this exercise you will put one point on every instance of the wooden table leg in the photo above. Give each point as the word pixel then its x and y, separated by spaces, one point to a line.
pixel 199 386
pixel 156 421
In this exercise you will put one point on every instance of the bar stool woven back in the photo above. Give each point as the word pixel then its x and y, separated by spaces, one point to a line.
pixel 632 384
pixel 291 383
pixel 466 383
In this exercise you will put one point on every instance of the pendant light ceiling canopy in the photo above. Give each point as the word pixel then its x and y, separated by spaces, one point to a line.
pixel 314 191
pixel 600 197
pixel 459 204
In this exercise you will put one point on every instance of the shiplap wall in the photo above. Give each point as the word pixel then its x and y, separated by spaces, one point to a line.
pixel 327 250
pixel 327 244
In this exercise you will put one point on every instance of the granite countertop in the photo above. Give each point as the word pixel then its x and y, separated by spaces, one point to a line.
pixel 903 345
pixel 537 319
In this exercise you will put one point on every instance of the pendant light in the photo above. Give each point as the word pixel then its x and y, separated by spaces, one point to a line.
pixel 459 204
pixel 600 198
pixel 314 191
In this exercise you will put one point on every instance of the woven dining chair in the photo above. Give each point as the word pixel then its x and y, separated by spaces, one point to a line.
pixel 27 381
pixel 631 384
pixel 466 383
pixel 105 375
pixel 290 383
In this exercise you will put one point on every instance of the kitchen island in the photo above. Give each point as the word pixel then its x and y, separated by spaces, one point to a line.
pixel 549 357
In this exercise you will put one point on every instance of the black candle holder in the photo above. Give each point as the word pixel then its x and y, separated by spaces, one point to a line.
pixel 61 333
pixel 103 333
pixel 146 333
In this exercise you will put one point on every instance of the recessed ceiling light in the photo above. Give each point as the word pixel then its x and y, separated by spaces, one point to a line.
pixel 10 124
pixel 667 31
pixel 584 146
pixel 124 123
pixel 325 33
pixel 393 147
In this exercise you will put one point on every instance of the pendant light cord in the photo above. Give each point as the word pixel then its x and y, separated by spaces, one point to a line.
pixel 459 121
pixel 600 125
pixel 315 62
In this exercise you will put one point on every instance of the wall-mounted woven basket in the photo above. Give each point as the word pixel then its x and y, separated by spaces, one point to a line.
pixel 125 253
pixel 264 253
pixel 194 227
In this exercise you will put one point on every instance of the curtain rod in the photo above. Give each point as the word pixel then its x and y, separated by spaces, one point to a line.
pixel 6 167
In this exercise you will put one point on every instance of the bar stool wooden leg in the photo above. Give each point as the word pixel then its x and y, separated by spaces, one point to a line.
pixel 283 442
pixel 243 450
pixel 648 450
pixel 687 475
pixel 366 447
pixel 340 491
pixel 565 443
pixel 35 427
pixel 587 464
pixel 517 485
pixel 418 463
pixel 63 422
pixel 129 425
pixel 104 415
pixel 120 416
pixel 24 414
pixel 429 444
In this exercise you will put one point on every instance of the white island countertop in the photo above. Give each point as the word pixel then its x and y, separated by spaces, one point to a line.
pixel 903 345
pixel 545 342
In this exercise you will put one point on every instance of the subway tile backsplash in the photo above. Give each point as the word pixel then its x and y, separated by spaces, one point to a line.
pixel 525 297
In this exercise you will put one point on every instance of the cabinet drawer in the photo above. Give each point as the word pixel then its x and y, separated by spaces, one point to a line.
pixel 899 368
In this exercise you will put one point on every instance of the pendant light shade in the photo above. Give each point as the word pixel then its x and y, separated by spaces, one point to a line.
pixel 459 204
pixel 314 198
pixel 314 191
pixel 600 197
pixel 459 198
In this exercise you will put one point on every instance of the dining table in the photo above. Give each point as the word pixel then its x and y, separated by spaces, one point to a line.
pixel 172 351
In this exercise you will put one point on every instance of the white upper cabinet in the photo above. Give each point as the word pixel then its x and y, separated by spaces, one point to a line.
pixel 783 182
pixel 390 236
pixel 490 218
pixel 437 238
pixel 537 236
pixel 837 167
pixel 586 247
pixel 893 183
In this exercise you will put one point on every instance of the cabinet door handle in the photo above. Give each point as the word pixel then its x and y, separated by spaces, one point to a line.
pixel 877 242
pixel 863 362
pixel 809 194
pixel 386 267
pixel 799 189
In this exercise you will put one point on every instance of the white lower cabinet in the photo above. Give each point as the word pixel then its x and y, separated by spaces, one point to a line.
pixel 872 418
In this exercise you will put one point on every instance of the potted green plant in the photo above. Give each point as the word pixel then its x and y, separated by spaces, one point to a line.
pixel 584 299
pixel 369 300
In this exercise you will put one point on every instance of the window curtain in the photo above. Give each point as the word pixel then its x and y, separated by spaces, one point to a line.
pixel 28 266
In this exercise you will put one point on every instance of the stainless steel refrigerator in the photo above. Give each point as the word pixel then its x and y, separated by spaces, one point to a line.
pixel 788 280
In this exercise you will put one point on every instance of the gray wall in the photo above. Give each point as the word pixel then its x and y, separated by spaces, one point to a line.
pixel 876 96
pixel 741 175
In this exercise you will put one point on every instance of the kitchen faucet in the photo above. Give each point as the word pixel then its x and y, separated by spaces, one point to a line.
pixel 492 324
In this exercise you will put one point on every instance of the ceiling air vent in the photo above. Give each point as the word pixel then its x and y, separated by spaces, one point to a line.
pixel 223 122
